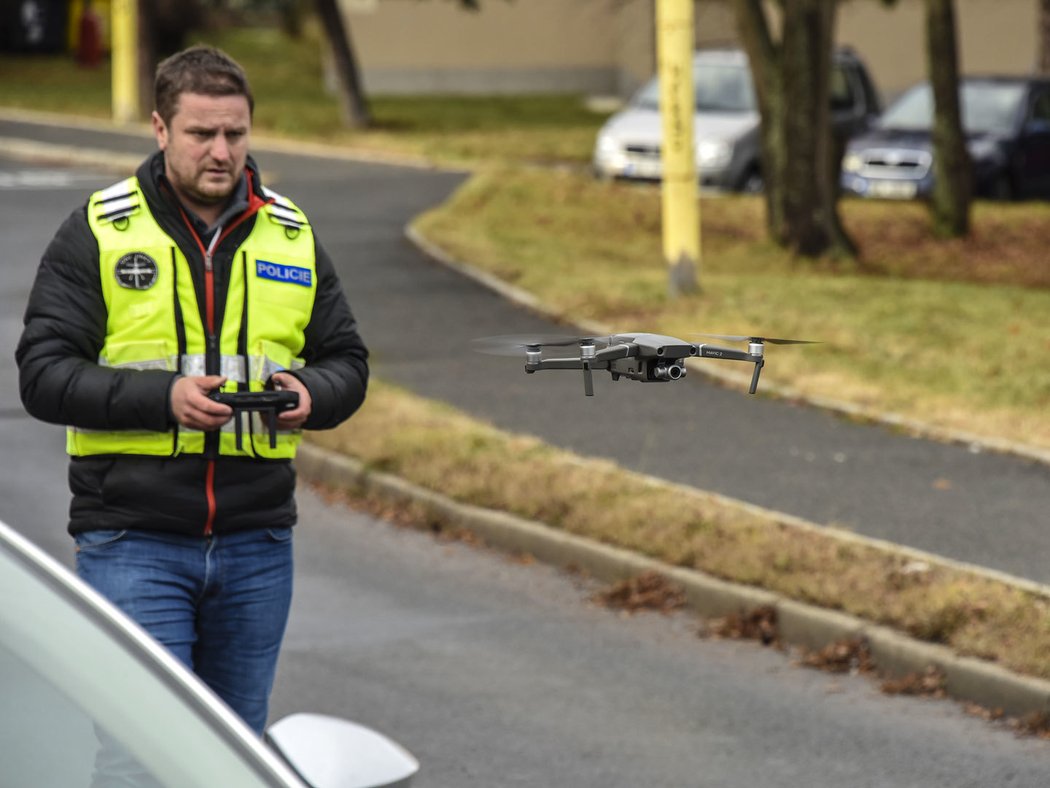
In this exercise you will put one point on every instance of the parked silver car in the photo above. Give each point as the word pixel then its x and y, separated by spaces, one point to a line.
pixel 726 123
pixel 78 679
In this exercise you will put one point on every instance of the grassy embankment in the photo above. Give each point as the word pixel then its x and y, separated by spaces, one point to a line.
pixel 952 333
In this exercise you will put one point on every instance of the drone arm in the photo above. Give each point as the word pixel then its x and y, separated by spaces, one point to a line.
pixel 713 351
pixel 564 363
pixel 614 352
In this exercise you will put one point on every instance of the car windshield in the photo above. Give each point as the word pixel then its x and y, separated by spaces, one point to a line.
pixel 986 107
pixel 719 88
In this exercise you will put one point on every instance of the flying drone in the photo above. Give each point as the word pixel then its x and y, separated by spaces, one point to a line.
pixel 650 358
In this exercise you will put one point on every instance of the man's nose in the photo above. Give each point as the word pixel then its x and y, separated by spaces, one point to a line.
pixel 220 148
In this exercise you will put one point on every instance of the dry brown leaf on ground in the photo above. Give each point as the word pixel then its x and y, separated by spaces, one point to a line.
pixel 647 591
pixel 851 656
pixel 927 684
pixel 757 624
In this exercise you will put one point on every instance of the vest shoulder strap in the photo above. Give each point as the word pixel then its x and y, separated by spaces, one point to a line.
pixel 284 211
pixel 115 202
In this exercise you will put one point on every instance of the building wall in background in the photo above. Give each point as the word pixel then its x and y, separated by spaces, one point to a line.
pixel 607 47
pixel 408 46
pixel 995 37
pixel 590 46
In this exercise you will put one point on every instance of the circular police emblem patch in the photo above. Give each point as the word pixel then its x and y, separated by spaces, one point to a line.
pixel 136 271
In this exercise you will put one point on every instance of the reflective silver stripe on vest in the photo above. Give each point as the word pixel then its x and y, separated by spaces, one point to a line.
pixel 285 217
pixel 262 367
pixel 119 209
pixel 117 201
pixel 230 367
pixel 283 212
pixel 193 365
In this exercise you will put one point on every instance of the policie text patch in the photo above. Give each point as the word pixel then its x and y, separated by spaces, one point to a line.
pixel 136 271
pixel 283 273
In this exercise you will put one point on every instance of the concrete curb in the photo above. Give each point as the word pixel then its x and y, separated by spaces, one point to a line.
pixel 966 679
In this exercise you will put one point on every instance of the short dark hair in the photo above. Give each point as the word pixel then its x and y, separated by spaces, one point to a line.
pixel 199 69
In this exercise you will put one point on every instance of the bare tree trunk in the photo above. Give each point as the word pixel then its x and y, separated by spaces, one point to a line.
pixel 1044 37
pixel 952 166
pixel 792 82
pixel 828 147
pixel 767 73
pixel 352 97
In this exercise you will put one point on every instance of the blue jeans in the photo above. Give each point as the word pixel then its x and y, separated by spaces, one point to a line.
pixel 219 604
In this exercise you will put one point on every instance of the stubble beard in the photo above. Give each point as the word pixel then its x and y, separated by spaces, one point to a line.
pixel 203 191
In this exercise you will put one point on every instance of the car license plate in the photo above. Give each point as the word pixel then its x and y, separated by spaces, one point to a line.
pixel 644 168
pixel 893 190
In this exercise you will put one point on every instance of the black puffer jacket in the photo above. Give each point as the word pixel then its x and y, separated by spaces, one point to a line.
pixel 62 383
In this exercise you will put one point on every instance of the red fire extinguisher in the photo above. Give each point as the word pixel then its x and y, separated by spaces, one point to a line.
pixel 89 43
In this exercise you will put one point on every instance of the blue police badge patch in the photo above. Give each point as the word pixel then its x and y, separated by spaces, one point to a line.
pixel 136 271
pixel 283 273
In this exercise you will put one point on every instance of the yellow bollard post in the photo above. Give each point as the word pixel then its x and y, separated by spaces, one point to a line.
pixel 679 190
pixel 124 38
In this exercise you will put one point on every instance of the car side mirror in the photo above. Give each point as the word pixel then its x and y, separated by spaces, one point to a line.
pixel 328 752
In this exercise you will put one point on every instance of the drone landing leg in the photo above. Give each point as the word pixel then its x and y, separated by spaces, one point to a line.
pixel 754 378
pixel 588 380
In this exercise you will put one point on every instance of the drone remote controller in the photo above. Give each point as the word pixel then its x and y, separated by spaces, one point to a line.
pixel 267 403
pixel 257 400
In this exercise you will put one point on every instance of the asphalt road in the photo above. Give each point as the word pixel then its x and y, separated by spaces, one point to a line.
pixel 497 673
pixel 418 318
pixel 500 674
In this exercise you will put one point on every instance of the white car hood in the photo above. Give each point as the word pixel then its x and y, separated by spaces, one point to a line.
pixel 642 126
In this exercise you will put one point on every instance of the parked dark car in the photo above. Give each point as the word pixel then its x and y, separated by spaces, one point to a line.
pixel 726 122
pixel 1007 125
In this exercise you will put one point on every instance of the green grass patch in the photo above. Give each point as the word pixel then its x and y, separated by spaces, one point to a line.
pixel 54 84
pixel 442 449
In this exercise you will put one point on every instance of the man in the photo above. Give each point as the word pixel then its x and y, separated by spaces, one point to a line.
pixel 186 279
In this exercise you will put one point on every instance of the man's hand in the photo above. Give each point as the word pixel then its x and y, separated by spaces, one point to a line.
pixel 295 418
pixel 191 406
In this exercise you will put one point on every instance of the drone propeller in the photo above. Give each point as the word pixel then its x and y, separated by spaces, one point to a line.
pixel 516 344
pixel 770 340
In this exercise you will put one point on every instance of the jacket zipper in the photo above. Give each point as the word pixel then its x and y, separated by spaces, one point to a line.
pixel 211 340
pixel 210 353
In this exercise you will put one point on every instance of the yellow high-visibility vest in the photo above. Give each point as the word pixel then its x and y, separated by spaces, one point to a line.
pixel 155 322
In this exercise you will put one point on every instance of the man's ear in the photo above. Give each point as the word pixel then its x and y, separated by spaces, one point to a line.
pixel 160 130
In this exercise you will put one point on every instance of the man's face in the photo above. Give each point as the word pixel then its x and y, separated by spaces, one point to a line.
pixel 205 147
